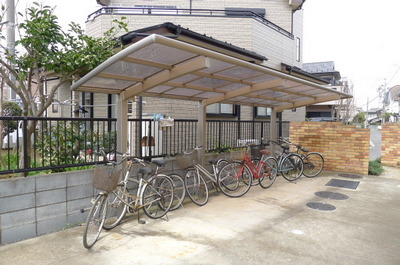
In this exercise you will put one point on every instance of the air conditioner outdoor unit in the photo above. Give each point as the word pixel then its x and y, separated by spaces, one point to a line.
pixel 103 2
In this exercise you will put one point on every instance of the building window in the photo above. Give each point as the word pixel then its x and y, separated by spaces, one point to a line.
pixel 221 109
pixel 298 49
pixel 55 107
pixel 262 112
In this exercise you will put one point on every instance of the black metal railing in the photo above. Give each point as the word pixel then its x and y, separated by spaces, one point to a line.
pixel 171 11
pixel 56 144
pixel 148 139
pixel 35 144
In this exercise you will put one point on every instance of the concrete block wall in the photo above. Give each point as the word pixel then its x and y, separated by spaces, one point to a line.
pixel 390 144
pixel 39 205
pixel 344 147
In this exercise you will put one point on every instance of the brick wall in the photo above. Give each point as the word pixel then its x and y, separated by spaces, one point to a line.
pixel 391 144
pixel 344 147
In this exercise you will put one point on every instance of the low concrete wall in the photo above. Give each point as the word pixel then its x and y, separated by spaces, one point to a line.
pixel 39 205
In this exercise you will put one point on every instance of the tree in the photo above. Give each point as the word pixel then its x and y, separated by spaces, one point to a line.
pixel 8 109
pixel 44 50
pixel 386 116
pixel 360 118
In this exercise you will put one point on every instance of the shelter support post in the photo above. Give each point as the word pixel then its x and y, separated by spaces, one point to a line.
pixel 122 124
pixel 273 131
pixel 201 132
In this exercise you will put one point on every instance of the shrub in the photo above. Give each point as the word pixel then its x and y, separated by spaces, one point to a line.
pixel 375 167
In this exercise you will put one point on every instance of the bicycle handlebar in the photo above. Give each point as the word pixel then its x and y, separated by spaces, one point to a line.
pixel 191 152
pixel 298 146
pixel 126 157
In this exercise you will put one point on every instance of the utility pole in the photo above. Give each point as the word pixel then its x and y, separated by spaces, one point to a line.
pixel 366 116
pixel 10 17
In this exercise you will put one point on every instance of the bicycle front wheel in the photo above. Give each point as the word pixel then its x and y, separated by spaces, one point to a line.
pixel 179 191
pixel 268 172
pixel 95 221
pixel 220 164
pixel 196 187
pixel 235 179
pixel 116 208
pixel 313 164
pixel 157 196
pixel 291 167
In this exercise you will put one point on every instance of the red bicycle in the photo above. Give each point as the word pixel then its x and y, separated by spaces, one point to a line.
pixel 236 177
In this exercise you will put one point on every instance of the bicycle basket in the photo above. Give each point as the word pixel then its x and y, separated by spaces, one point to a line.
pixel 255 150
pixel 238 154
pixel 106 178
pixel 187 160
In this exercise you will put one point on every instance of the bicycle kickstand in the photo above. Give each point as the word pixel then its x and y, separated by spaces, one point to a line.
pixel 140 221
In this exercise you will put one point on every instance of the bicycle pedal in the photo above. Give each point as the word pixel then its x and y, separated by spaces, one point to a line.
pixel 142 222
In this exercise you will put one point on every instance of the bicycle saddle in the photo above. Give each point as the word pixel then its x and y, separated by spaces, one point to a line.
pixel 145 170
pixel 265 151
pixel 213 161
pixel 159 163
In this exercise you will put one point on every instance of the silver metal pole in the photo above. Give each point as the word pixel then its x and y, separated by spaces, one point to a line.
pixel 10 17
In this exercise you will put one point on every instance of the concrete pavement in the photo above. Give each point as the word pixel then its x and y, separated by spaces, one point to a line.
pixel 273 226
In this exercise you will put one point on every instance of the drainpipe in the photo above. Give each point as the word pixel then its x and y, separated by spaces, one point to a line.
pixel 140 129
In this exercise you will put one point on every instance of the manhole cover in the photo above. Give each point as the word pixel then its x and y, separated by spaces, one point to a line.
pixel 332 195
pixel 350 176
pixel 343 183
pixel 321 206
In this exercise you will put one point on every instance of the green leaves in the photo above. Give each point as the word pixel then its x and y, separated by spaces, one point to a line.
pixel 45 49
pixel 43 44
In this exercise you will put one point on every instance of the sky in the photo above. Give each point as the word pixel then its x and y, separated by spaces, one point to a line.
pixel 361 37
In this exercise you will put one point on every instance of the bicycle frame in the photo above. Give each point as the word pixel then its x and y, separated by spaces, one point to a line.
pixel 142 183
pixel 254 169
pixel 211 176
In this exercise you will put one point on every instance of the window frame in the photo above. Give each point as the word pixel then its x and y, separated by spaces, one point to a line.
pixel 235 111
pixel 262 116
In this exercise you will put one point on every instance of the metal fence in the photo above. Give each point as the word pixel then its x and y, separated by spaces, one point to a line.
pixel 149 138
pixel 36 144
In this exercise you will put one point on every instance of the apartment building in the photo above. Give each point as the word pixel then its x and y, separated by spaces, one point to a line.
pixel 272 29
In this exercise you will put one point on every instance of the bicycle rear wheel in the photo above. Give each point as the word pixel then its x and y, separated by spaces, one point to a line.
pixel 157 196
pixel 291 167
pixel 235 179
pixel 268 172
pixel 196 187
pixel 95 221
pixel 179 191
pixel 116 208
pixel 313 164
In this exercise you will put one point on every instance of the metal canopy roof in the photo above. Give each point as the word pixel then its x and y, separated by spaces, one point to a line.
pixel 158 66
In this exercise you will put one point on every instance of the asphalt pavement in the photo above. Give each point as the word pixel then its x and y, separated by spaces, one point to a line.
pixel 289 223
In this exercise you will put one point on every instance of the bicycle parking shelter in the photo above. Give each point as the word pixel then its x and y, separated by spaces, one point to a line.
pixel 165 67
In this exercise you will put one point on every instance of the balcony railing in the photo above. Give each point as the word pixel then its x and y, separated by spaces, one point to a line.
pixel 170 11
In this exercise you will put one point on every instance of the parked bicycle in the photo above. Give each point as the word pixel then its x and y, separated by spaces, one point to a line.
pixel 313 161
pixel 154 196
pixel 290 165
pixel 195 182
pixel 177 180
pixel 263 169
